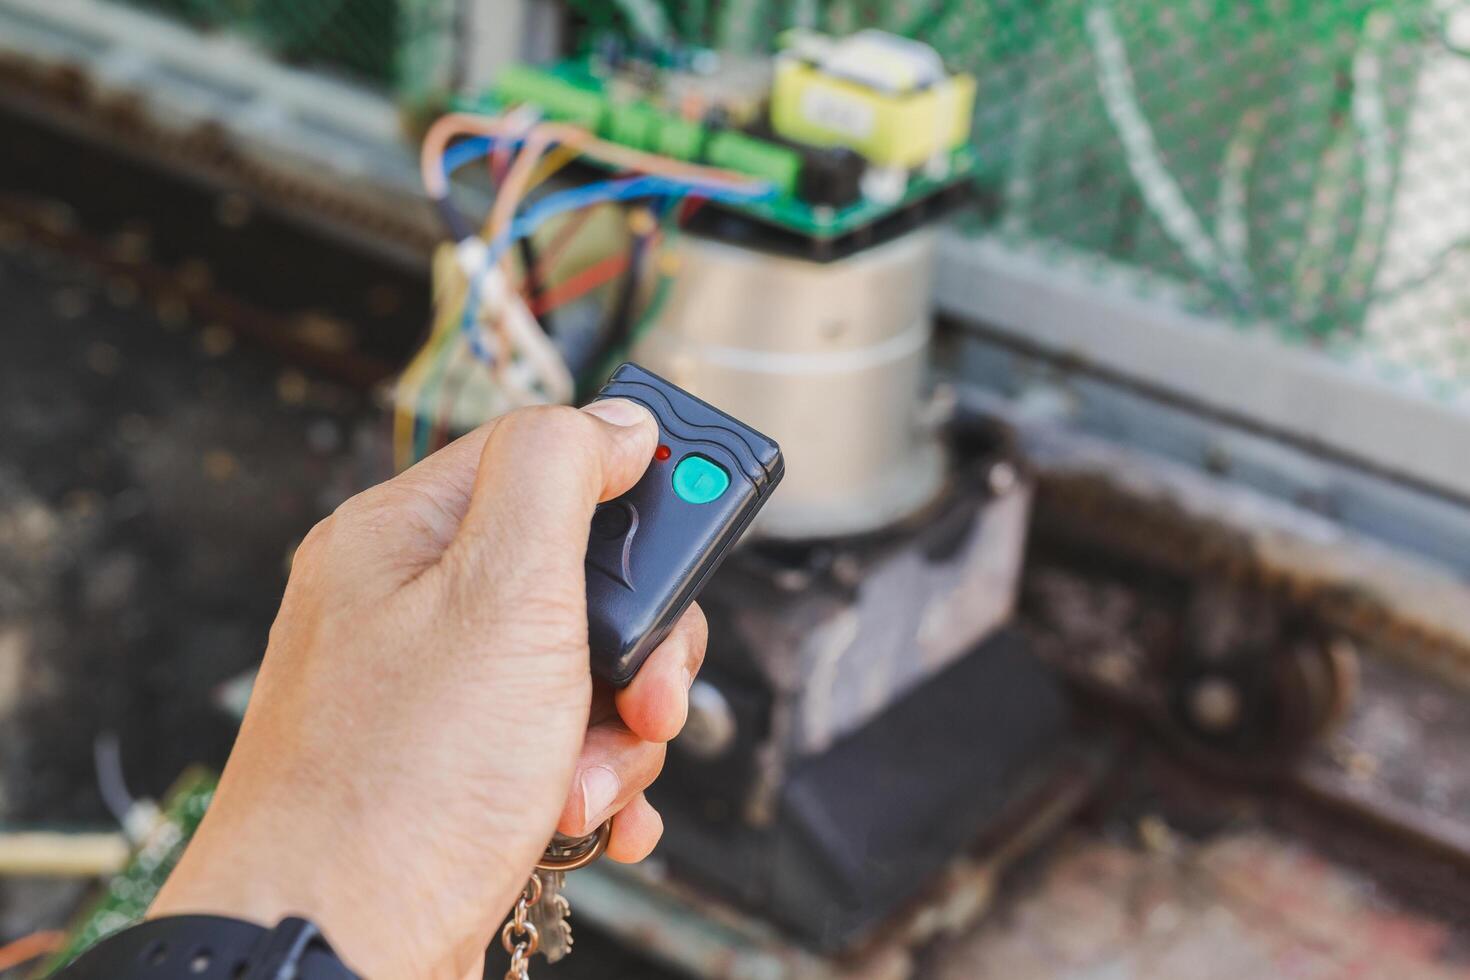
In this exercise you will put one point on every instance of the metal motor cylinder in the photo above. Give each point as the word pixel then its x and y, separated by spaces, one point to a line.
pixel 828 358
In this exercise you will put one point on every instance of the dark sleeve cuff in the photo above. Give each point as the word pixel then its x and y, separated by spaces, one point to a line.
pixel 210 947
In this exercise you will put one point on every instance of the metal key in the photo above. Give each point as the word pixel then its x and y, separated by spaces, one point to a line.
pixel 551 916
pixel 541 920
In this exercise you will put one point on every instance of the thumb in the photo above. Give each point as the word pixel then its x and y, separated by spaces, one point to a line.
pixel 541 474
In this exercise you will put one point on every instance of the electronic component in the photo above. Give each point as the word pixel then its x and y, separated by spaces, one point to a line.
pixel 635 124
pixel 557 97
pixel 644 125
pixel 681 139
pixel 755 157
pixel 887 97
pixel 651 550
pixel 831 176
pixel 734 87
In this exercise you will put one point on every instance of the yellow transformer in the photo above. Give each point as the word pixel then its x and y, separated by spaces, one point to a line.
pixel 887 97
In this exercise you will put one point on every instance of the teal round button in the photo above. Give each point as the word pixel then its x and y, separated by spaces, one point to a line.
pixel 698 480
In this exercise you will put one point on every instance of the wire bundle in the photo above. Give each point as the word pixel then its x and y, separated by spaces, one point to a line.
pixel 487 351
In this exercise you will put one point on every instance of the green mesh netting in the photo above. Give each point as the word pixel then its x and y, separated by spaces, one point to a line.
pixel 406 46
pixel 1299 163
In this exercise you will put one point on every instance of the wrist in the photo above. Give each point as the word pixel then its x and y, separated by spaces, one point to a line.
pixel 237 871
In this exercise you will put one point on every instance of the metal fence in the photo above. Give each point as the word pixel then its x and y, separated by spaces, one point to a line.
pixel 406 46
pixel 1296 166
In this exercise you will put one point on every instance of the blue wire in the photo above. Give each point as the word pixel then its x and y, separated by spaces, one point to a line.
pixel 626 189
pixel 561 202
pixel 475 147
pixel 622 189
pixel 466 151
pixel 455 157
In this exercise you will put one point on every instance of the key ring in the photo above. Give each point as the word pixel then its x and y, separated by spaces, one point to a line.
pixel 584 851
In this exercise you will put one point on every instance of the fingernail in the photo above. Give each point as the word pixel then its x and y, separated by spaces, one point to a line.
pixel 688 677
pixel 618 411
pixel 600 788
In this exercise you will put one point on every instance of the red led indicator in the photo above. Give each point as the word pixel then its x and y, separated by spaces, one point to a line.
pixel 662 453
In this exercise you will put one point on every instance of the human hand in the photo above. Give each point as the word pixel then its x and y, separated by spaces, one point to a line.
pixel 424 717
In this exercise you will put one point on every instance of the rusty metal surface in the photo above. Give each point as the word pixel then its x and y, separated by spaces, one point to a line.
pixel 1126 539
pixel 1184 522
pixel 1250 903
pixel 1406 738
pixel 1392 763
pixel 1398 761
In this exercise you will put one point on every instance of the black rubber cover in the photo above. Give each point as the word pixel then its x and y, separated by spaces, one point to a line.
pixel 650 552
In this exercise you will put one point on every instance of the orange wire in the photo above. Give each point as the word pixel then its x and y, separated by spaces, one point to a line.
pixel 436 140
pixel 518 180
pixel 547 261
pixel 555 160
pixel 27 948
pixel 580 284
pixel 537 141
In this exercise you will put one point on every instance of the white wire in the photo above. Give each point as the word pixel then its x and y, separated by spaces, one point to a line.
pixel 540 362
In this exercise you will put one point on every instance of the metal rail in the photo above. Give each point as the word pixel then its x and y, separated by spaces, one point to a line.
pixel 1086 312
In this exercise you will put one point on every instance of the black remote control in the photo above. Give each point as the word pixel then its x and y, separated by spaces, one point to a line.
pixel 653 548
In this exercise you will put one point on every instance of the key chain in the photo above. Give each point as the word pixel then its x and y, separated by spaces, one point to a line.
pixel 541 920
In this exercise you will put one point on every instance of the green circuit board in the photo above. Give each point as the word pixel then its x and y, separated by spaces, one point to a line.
pixel 583 92
pixel 792 213
pixel 127 896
